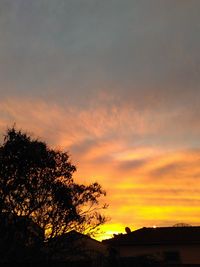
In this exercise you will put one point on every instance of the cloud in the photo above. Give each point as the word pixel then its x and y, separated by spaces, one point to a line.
pixel 153 183
pixel 141 52
pixel 117 85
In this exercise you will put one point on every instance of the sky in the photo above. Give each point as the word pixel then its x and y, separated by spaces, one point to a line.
pixel 116 83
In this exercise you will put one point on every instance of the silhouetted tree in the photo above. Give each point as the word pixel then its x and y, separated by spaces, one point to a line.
pixel 36 182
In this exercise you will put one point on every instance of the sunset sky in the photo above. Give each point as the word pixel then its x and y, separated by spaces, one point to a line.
pixel 116 83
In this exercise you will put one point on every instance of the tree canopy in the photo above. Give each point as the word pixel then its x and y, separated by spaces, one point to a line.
pixel 37 182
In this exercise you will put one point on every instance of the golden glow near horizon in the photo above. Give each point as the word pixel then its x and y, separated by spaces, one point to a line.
pixel 157 188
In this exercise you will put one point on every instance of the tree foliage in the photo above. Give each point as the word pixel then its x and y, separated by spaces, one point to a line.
pixel 37 182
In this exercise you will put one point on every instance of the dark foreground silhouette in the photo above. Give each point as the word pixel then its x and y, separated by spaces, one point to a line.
pixel 39 199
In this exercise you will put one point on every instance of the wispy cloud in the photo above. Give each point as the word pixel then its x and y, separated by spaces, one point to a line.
pixel 115 83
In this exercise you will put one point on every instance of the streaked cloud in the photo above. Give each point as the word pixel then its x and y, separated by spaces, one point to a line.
pixel 155 184
pixel 115 83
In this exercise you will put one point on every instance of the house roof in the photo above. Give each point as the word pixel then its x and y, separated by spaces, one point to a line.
pixel 159 235
pixel 77 245
pixel 73 236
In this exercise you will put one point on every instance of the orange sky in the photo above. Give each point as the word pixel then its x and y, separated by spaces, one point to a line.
pixel 116 84
pixel 146 185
